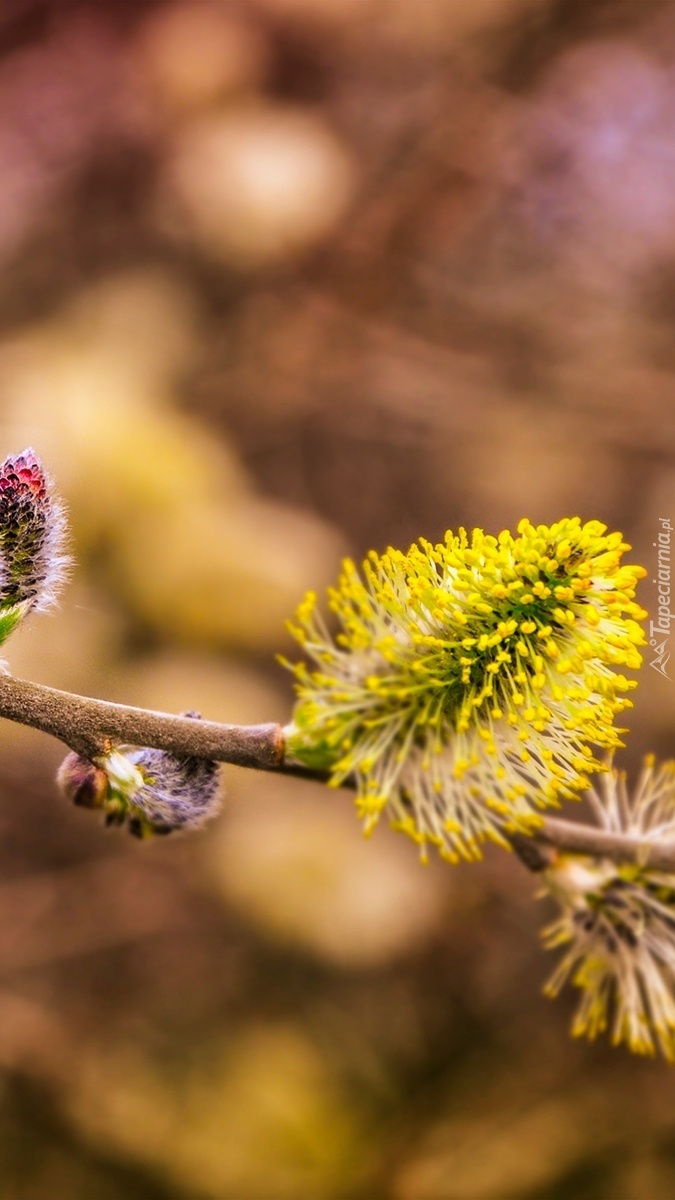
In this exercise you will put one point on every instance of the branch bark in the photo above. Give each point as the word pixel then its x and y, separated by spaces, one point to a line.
pixel 91 727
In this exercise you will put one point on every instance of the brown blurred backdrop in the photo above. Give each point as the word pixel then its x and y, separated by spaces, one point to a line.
pixel 281 279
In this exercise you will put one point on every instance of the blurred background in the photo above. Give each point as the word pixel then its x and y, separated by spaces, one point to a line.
pixel 281 280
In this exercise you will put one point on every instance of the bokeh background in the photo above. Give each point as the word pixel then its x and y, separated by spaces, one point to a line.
pixel 281 280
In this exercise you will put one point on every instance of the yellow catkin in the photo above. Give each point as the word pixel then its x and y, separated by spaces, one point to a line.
pixel 502 653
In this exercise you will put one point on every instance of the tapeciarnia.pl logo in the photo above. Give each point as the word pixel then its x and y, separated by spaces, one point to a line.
pixel 659 630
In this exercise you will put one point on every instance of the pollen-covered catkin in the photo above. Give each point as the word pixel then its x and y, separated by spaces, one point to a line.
pixel 469 683
pixel 617 923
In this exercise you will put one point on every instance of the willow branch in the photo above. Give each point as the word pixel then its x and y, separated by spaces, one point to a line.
pixel 91 727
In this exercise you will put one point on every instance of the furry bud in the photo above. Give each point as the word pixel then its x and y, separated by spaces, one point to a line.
pixel 149 790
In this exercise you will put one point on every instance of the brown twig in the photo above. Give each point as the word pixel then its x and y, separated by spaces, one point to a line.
pixel 91 727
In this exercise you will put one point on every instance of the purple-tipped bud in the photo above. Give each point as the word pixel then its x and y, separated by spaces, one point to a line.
pixel 150 790
pixel 32 536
